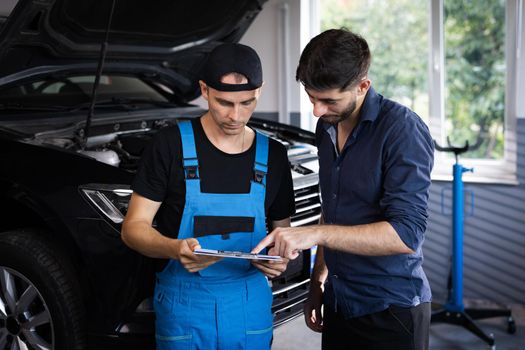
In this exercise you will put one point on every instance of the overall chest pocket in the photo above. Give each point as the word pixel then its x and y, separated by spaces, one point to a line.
pixel 205 225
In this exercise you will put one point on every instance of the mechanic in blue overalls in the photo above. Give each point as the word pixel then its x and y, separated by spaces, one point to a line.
pixel 216 182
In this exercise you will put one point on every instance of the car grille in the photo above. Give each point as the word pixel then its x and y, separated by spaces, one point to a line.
pixel 307 203
pixel 291 289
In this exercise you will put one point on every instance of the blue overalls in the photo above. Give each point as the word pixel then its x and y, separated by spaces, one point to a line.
pixel 228 304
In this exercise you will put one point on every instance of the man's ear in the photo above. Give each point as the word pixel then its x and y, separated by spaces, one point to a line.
pixel 363 86
pixel 204 89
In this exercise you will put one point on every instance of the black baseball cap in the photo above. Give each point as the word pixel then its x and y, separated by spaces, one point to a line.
pixel 233 58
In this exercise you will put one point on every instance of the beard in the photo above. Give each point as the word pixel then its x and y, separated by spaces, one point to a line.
pixel 344 115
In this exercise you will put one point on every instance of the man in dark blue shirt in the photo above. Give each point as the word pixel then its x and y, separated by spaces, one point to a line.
pixel 375 159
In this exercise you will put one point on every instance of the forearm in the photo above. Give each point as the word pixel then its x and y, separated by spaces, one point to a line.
pixel 375 239
pixel 145 239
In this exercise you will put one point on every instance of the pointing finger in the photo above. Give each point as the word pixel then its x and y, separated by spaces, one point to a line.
pixel 266 241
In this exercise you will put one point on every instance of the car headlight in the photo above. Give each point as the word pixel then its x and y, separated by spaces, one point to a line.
pixel 111 200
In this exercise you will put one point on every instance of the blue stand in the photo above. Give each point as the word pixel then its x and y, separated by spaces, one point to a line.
pixel 454 312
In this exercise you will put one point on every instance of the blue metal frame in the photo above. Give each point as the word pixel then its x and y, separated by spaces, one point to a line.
pixel 454 311
pixel 455 302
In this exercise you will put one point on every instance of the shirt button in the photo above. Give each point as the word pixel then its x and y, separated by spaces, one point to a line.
pixel 334 196
pixel 338 168
pixel 335 276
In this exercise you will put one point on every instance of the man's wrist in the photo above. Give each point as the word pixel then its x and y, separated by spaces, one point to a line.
pixel 316 290
pixel 316 284
pixel 320 234
pixel 176 248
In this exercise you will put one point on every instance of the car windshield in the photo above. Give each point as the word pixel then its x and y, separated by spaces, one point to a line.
pixel 73 91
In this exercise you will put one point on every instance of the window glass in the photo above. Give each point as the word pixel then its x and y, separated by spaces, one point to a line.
pixel 75 89
pixel 397 33
pixel 475 75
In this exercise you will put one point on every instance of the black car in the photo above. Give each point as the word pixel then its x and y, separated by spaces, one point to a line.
pixel 80 97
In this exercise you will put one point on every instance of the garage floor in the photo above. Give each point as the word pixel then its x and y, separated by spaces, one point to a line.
pixel 296 336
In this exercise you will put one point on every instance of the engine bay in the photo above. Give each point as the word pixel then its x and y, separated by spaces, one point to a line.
pixel 121 144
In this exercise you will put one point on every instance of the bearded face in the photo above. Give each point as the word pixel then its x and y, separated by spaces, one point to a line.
pixel 333 105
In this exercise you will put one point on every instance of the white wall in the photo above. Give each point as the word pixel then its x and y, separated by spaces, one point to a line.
pixel 264 36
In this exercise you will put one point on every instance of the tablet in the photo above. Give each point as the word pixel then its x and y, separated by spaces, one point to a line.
pixel 237 255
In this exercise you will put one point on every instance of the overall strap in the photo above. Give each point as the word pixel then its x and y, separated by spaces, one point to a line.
pixel 260 168
pixel 189 152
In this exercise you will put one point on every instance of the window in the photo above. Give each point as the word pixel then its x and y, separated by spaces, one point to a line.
pixel 72 90
pixel 451 61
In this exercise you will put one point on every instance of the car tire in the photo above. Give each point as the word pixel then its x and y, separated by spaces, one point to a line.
pixel 40 298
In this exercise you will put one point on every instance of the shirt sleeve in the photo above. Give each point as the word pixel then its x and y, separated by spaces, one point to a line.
pixel 408 163
pixel 283 204
pixel 152 178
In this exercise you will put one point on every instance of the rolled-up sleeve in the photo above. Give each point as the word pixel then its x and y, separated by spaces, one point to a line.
pixel 409 158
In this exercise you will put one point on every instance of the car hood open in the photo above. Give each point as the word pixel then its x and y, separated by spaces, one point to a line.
pixel 165 39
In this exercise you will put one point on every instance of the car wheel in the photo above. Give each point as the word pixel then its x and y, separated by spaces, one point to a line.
pixel 40 299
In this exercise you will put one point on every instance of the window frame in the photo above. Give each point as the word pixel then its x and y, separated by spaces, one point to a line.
pixel 501 171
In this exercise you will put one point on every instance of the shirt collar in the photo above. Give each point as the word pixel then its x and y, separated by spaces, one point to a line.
pixel 369 110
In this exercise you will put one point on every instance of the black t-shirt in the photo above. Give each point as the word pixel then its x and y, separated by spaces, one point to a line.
pixel 160 176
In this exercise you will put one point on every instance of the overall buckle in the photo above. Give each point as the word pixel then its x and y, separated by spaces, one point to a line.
pixel 191 172
pixel 258 176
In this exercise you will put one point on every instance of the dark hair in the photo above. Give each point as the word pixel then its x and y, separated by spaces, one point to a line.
pixel 336 58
